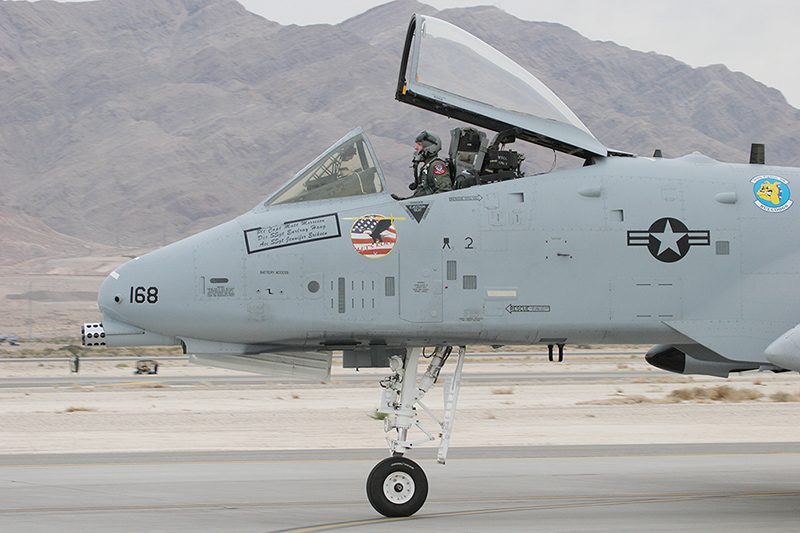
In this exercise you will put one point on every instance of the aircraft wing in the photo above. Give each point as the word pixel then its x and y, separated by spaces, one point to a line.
pixel 450 72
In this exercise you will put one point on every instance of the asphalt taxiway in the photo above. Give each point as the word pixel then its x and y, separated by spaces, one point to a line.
pixel 708 487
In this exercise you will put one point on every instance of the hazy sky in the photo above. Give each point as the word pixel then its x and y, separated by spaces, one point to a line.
pixel 761 39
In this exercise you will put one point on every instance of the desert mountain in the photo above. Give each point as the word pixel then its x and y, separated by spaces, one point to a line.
pixel 137 122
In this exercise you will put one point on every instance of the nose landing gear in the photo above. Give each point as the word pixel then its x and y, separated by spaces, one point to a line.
pixel 397 486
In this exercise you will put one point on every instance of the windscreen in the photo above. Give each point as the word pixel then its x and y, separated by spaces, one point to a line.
pixel 348 168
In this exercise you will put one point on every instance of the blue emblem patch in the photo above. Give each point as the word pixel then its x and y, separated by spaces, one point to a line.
pixel 772 193
pixel 439 169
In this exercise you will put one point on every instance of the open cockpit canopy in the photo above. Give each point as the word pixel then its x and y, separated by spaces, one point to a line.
pixel 348 168
pixel 451 72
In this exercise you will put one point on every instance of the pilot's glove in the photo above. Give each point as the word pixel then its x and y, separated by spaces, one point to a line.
pixel 413 186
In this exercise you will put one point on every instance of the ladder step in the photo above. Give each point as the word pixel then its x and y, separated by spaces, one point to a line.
pixel 452 385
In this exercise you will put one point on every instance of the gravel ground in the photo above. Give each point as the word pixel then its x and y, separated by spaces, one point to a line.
pixel 601 400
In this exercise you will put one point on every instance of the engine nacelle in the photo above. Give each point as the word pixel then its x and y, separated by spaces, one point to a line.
pixel 785 350
pixel 672 359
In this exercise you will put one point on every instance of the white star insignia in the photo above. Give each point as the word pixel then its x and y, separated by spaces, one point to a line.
pixel 669 239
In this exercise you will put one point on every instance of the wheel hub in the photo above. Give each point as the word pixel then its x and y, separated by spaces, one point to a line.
pixel 398 487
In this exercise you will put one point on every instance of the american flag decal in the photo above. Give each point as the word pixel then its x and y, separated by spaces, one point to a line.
pixel 373 236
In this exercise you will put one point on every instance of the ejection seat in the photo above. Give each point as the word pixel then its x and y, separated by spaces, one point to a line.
pixel 476 161
pixel 467 152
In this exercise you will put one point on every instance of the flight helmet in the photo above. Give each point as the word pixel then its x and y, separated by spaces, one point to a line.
pixel 431 144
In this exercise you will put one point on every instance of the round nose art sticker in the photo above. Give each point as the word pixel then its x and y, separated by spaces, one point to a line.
pixel 373 236
pixel 772 193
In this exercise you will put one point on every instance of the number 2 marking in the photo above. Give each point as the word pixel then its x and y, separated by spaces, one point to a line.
pixel 470 242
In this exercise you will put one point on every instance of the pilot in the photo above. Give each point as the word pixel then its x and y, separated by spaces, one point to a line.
pixel 431 173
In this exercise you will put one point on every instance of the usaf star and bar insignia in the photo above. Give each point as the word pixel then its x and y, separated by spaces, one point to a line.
pixel 668 239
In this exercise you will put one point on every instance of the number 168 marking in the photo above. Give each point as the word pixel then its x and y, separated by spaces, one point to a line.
pixel 140 295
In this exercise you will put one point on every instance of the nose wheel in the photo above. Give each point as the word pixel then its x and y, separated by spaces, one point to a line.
pixel 397 487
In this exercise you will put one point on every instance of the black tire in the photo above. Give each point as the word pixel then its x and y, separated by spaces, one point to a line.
pixel 397 487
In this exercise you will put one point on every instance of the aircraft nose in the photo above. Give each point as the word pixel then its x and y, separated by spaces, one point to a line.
pixel 122 290
pixel 158 292
pixel 110 294
pixel 130 316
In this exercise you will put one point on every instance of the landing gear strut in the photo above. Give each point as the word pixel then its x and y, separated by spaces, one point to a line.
pixel 397 486
pixel 560 352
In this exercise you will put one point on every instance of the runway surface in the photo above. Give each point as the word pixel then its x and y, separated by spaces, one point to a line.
pixel 708 487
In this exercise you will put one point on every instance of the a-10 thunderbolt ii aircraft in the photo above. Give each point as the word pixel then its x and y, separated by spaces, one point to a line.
pixel 695 256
